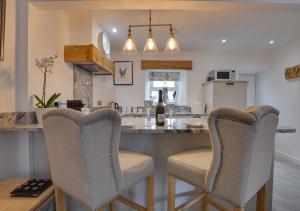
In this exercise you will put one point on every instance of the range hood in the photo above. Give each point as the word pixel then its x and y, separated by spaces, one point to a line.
pixel 89 58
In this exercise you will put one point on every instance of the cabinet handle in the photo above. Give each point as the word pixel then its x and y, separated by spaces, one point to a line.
pixel 229 83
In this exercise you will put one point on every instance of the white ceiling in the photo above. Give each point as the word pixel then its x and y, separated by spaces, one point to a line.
pixel 200 24
pixel 204 30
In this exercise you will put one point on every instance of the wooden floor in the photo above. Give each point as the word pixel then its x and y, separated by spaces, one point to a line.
pixel 286 185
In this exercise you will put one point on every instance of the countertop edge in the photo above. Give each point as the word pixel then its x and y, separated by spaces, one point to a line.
pixel 39 128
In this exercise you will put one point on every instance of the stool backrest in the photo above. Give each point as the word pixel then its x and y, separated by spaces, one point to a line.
pixel 83 154
pixel 243 148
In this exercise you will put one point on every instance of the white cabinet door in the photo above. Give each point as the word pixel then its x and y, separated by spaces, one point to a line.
pixel 208 96
pixel 230 94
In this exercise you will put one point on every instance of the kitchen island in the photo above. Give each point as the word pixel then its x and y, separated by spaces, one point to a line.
pixel 140 136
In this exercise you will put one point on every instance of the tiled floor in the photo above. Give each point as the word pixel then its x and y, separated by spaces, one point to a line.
pixel 286 185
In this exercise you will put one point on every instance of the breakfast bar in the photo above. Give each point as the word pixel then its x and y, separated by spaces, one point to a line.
pixel 140 135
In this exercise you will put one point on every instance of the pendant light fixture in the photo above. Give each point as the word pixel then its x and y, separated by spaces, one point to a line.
pixel 129 46
pixel 150 46
pixel 172 45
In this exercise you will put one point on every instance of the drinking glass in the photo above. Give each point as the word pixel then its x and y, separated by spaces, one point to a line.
pixel 171 107
pixel 148 106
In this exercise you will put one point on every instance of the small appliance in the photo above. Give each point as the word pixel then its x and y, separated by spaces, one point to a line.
pixel 222 75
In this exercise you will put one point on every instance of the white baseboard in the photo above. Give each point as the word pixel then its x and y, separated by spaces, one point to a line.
pixel 288 157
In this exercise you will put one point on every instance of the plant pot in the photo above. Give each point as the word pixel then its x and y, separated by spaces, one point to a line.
pixel 40 112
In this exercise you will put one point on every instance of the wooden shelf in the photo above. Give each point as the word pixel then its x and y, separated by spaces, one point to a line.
pixel 90 58
pixel 8 203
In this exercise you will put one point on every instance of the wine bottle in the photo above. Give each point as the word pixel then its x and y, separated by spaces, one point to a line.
pixel 160 111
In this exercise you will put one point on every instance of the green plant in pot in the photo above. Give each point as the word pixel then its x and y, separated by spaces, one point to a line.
pixel 45 65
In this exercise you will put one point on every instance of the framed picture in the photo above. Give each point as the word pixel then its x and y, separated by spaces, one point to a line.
pixel 124 73
pixel 2 28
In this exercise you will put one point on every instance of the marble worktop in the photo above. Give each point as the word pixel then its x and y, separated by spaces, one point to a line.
pixel 177 115
pixel 141 125
pixel 21 127
pixel 174 125
pixel 19 121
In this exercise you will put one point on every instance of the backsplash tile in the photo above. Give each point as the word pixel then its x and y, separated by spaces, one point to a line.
pixel 83 86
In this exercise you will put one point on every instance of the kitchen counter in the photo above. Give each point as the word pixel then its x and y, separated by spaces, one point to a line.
pixel 139 125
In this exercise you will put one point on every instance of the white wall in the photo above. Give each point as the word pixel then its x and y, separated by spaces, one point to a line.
pixel 48 32
pixel 80 29
pixel 203 62
pixel 251 87
pixel 274 89
pixel 83 29
pixel 103 90
pixel 7 67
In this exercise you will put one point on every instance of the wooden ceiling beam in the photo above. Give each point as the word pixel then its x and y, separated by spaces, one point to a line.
pixel 167 64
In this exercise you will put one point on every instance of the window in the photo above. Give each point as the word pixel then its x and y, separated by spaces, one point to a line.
pixel 173 80
pixel 159 85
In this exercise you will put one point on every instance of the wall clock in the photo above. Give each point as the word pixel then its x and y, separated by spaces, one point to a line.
pixel 104 43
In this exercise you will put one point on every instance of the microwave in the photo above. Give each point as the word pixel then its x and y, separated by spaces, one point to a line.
pixel 222 75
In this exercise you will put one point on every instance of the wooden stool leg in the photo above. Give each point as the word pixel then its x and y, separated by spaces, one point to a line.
pixel 150 193
pixel 111 206
pixel 171 193
pixel 238 209
pixel 204 203
pixel 261 199
pixel 60 200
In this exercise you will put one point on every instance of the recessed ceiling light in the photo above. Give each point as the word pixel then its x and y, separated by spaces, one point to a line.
pixel 224 41
pixel 271 42
pixel 114 30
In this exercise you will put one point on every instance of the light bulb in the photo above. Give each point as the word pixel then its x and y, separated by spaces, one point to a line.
pixel 129 46
pixel 172 45
pixel 151 43
pixel 150 46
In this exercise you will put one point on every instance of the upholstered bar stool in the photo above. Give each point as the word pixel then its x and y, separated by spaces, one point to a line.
pixel 239 164
pixel 86 163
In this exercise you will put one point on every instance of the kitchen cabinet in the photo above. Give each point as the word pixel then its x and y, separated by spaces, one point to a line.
pixel 221 93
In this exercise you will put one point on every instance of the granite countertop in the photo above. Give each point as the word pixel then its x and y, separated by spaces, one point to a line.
pixel 175 115
pixel 19 121
pixel 139 125
pixel 174 125
pixel 284 129
pixel 180 125
pixel 21 127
